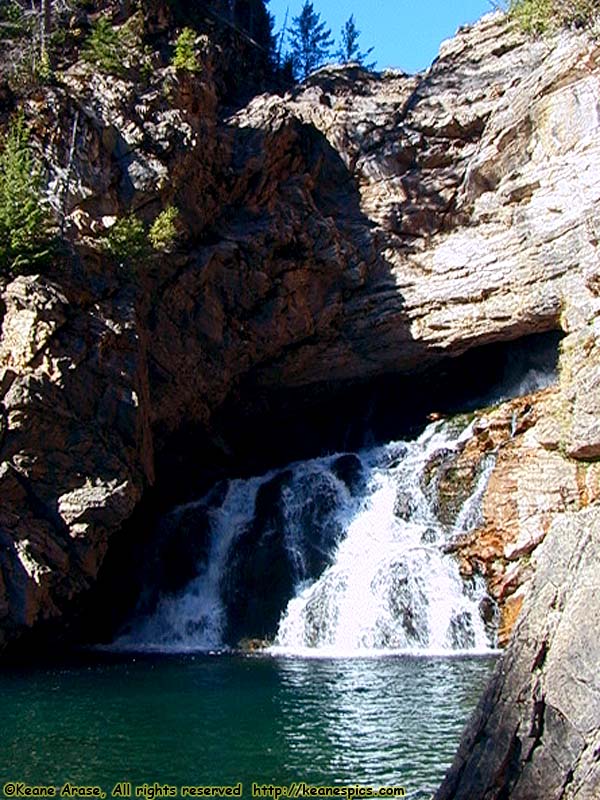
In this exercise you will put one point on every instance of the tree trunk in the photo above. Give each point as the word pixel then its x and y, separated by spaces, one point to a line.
pixel 45 24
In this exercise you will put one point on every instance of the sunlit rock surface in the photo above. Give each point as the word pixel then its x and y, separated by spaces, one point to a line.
pixel 535 731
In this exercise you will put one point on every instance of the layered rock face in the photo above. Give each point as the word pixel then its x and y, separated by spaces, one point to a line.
pixel 535 731
pixel 357 226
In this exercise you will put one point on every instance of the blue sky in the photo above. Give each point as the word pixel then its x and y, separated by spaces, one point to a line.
pixel 404 33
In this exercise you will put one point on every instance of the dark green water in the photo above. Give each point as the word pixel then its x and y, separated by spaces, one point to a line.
pixel 224 719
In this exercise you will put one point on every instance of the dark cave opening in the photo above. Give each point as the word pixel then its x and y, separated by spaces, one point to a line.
pixel 260 429
pixel 253 433
pixel 283 426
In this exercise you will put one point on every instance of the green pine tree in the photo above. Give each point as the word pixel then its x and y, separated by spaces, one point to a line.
pixel 163 231
pixel 106 48
pixel 310 42
pixel 127 240
pixel 185 56
pixel 349 51
pixel 25 239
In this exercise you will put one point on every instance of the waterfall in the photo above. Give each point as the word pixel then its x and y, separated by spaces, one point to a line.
pixel 390 586
pixel 193 620
pixel 335 555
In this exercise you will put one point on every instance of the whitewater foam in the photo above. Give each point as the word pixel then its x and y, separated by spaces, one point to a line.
pixel 385 585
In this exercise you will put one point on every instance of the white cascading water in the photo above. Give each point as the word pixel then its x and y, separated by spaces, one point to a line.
pixel 386 586
pixel 193 620
pixel 390 586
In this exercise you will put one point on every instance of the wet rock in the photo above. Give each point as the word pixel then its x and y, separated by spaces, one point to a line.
pixel 461 633
pixel 489 614
pixel 407 605
pixel 404 505
pixel 535 730
pixel 304 505
pixel 429 536
pixel 253 645
pixel 348 468
pixel 259 559
pixel 183 542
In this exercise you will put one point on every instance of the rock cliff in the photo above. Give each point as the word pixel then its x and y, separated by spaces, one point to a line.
pixel 535 731
pixel 357 226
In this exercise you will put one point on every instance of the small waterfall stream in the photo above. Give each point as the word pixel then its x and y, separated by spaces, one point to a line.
pixel 331 556
pixel 390 586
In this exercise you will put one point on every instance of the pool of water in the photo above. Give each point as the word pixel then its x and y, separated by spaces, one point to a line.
pixel 224 719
